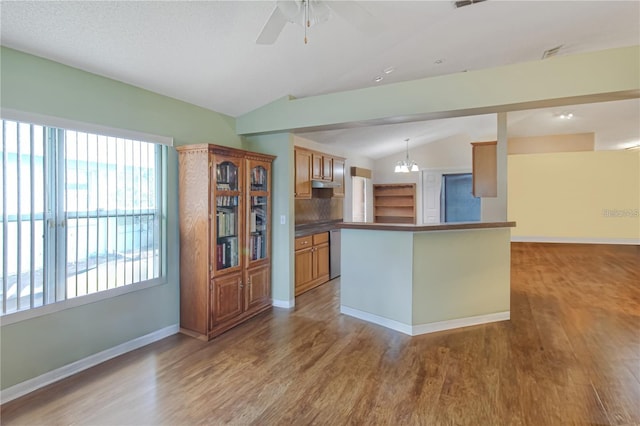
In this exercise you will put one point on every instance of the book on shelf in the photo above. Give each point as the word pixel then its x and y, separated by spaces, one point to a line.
pixel 226 176
pixel 226 201
pixel 258 179
pixel 226 223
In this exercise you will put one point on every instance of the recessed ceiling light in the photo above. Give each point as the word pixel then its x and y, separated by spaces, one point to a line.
pixel 389 70
pixel 378 79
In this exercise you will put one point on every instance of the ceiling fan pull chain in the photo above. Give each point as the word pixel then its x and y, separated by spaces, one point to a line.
pixel 306 18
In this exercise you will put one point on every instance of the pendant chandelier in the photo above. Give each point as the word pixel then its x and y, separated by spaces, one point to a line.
pixel 406 166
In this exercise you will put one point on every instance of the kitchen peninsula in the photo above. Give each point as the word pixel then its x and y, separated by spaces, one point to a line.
pixel 419 279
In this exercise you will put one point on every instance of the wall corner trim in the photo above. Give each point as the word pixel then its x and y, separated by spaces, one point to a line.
pixel 65 371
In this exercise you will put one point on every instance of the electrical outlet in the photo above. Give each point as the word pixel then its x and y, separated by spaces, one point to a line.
pixel 283 219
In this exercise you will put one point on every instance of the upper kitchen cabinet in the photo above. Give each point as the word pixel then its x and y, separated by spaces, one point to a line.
pixel 303 173
pixel 323 169
pixel 485 181
pixel 338 176
pixel 322 166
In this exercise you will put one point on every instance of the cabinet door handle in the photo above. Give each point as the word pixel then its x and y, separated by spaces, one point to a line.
pixel 241 286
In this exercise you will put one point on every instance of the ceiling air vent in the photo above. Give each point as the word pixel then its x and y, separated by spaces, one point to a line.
pixel 463 3
pixel 551 52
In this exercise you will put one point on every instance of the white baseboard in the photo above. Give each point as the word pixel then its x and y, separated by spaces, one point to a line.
pixel 376 319
pixel 414 330
pixel 534 239
pixel 52 376
pixel 460 322
pixel 287 304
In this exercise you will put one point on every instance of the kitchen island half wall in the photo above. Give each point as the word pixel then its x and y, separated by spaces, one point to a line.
pixel 419 279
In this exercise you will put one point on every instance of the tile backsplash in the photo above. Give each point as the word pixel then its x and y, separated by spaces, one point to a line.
pixel 318 210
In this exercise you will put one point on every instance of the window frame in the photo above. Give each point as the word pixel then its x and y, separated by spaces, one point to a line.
pixel 62 123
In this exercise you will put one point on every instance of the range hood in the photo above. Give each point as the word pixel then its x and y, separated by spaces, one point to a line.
pixel 324 184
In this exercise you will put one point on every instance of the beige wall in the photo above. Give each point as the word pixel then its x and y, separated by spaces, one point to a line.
pixel 579 196
pixel 552 143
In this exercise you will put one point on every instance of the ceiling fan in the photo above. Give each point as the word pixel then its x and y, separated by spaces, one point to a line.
pixel 311 12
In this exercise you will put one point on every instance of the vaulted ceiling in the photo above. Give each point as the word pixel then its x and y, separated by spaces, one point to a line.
pixel 205 52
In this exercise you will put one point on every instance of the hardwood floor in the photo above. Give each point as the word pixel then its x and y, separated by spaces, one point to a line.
pixel 570 355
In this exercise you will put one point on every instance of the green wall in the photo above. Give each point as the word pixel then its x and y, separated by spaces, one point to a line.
pixel 564 80
pixel 37 85
pixel 35 346
pixel 280 145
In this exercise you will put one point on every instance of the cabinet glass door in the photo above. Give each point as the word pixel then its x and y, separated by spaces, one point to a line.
pixel 258 213
pixel 226 176
pixel 227 215
pixel 258 228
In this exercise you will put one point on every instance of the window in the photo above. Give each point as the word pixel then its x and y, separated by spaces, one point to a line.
pixel 81 214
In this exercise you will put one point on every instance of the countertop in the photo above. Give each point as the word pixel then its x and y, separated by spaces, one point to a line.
pixel 426 227
pixel 305 229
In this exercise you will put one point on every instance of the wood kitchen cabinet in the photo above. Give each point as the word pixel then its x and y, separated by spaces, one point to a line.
pixel 303 174
pixel 485 171
pixel 225 234
pixel 322 166
pixel 312 261
pixel 338 176
pixel 312 165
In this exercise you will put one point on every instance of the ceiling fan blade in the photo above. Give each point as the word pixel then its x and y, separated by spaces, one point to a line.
pixel 356 15
pixel 273 27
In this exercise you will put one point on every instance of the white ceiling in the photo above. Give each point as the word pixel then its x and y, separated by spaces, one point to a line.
pixel 204 52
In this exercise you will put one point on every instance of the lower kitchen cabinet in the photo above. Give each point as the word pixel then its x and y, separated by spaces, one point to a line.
pixel 312 261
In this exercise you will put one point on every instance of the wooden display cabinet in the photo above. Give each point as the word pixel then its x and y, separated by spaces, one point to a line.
pixel 225 234
pixel 394 203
